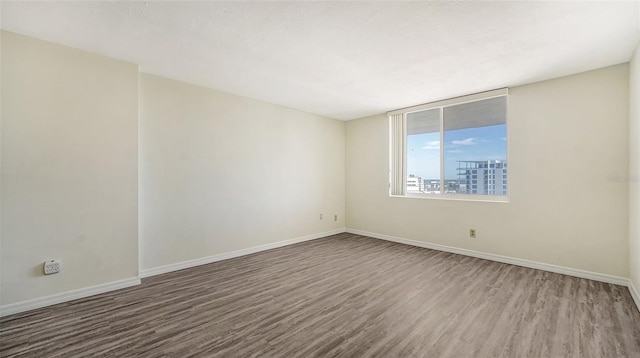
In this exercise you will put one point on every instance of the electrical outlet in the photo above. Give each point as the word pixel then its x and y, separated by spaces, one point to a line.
pixel 472 233
pixel 335 217
pixel 52 266
pixel 320 216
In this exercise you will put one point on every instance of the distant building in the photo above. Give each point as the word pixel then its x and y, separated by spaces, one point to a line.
pixel 415 184
pixel 483 177
pixel 432 186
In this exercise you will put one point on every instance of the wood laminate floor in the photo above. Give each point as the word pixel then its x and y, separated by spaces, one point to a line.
pixel 341 296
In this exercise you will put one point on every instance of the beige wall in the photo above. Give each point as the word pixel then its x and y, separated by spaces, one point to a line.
pixel 219 172
pixel 634 169
pixel 69 168
pixel 568 160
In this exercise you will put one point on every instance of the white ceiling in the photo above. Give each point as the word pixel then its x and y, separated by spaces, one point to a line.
pixel 343 59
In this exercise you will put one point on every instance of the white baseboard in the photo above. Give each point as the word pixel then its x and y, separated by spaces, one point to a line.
pixel 66 296
pixel 229 255
pixel 616 280
pixel 634 294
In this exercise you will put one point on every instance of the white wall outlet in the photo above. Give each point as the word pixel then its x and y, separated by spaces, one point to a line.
pixel 472 232
pixel 335 217
pixel 320 216
pixel 52 266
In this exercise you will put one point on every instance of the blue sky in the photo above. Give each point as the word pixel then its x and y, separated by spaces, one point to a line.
pixel 481 143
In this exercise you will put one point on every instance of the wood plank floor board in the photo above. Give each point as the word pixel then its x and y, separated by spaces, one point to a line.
pixel 341 296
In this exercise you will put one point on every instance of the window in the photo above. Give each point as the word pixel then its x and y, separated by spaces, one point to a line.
pixel 456 147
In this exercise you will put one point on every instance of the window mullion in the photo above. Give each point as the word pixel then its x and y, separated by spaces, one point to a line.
pixel 404 154
pixel 441 151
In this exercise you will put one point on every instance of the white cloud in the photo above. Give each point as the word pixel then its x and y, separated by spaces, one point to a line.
pixel 455 151
pixel 468 141
pixel 432 145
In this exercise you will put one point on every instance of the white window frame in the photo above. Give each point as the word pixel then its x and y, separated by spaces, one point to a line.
pixel 396 136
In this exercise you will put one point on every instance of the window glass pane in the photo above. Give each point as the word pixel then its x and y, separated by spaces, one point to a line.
pixel 423 151
pixel 475 147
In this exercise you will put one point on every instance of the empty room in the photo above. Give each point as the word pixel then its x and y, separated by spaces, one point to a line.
pixel 320 179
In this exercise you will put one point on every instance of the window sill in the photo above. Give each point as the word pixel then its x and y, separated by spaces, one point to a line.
pixel 459 197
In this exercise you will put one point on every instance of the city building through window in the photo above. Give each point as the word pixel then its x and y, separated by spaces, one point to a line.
pixel 455 148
